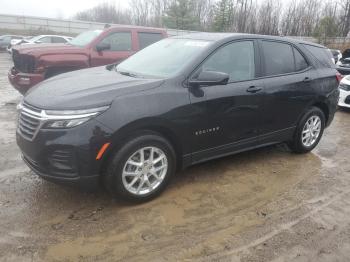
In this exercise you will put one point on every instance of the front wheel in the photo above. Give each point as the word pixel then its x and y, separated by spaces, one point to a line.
pixel 309 131
pixel 141 169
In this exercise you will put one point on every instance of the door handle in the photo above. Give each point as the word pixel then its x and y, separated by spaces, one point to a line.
pixel 254 89
pixel 307 79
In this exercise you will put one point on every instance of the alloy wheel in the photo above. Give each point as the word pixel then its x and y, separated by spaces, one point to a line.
pixel 311 131
pixel 145 170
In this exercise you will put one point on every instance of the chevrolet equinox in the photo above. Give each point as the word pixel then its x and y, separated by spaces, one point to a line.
pixel 178 102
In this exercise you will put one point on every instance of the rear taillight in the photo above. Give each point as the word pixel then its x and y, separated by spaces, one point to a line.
pixel 339 77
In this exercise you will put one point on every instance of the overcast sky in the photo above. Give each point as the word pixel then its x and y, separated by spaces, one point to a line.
pixel 50 8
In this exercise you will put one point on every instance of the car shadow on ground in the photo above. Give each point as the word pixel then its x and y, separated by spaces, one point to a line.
pixel 204 173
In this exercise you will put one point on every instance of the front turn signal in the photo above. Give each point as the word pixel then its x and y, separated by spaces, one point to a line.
pixel 102 150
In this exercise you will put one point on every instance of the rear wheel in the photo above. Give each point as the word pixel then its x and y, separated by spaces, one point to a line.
pixel 309 131
pixel 141 169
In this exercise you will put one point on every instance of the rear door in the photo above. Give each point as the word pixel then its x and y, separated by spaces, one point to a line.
pixel 231 114
pixel 289 81
pixel 121 47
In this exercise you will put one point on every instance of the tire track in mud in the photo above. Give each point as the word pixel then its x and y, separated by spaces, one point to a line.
pixel 324 205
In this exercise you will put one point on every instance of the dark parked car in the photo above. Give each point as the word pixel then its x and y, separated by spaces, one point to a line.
pixel 5 40
pixel 178 102
pixel 34 63
pixel 343 64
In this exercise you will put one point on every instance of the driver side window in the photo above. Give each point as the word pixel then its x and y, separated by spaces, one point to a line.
pixel 119 41
pixel 235 59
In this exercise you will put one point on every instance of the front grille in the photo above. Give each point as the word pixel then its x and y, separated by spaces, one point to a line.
pixel 23 63
pixel 28 121
pixel 347 100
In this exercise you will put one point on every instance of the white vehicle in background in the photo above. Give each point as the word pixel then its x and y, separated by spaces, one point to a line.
pixel 42 39
pixel 344 97
pixel 15 42
pixel 337 55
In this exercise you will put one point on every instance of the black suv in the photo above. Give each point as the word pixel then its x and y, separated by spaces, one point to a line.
pixel 178 102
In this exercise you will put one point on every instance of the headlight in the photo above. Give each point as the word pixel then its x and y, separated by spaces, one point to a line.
pixel 344 87
pixel 70 118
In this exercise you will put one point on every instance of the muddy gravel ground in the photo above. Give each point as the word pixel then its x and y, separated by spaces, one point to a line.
pixel 263 205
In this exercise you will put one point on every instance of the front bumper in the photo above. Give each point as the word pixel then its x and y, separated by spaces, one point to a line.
pixel 344 98
pixel 24 81
pixel 66 156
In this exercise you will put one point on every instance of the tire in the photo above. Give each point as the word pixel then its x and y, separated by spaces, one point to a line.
pixel 301 137
pixel 117 173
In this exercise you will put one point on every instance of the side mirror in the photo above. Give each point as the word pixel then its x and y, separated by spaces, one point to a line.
pixel 102 46
pixel 210 78
pixel 38 42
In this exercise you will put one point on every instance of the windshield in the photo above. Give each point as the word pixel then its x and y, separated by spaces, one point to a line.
pixel 163 59
pixel 35 38
pixel 85 38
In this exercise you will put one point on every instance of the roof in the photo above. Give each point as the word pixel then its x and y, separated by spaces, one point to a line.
pixel 231 36
pixel 134 27
pixel 52 35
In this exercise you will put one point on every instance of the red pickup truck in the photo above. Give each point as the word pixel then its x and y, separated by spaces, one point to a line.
pixel 34 63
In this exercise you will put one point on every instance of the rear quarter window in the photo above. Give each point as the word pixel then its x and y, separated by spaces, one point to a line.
pixel 146 39
pixel 322 55
pixel 300 62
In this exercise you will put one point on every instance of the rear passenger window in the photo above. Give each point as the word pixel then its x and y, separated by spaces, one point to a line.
pixel 146 39
pixel 235 59
pixel 300 62
pixel 278 58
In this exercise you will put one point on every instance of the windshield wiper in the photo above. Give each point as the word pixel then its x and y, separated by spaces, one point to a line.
pixel 129 74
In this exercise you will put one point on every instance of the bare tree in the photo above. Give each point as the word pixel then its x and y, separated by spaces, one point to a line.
pixel 344 17
pixel 105 13
pixel 269 17
pixel 274 17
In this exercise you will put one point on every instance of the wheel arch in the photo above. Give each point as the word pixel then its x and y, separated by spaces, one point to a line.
pixel 324 107
pixel 138 128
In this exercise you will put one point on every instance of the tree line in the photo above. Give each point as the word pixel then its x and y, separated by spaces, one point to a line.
pixel 318 18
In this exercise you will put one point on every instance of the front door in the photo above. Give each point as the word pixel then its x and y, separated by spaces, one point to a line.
pixel 230 115
pixel 120 49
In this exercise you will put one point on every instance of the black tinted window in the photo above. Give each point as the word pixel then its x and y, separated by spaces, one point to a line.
pixel 146 39
pixel 279 58
pixel 322 55
pixel 235 59
pixel 119 41
pixel 58 40
pixel 300 62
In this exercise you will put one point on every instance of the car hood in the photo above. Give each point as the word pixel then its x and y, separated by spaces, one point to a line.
pixel 87 88
pixel 48 49
pixel 345 80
